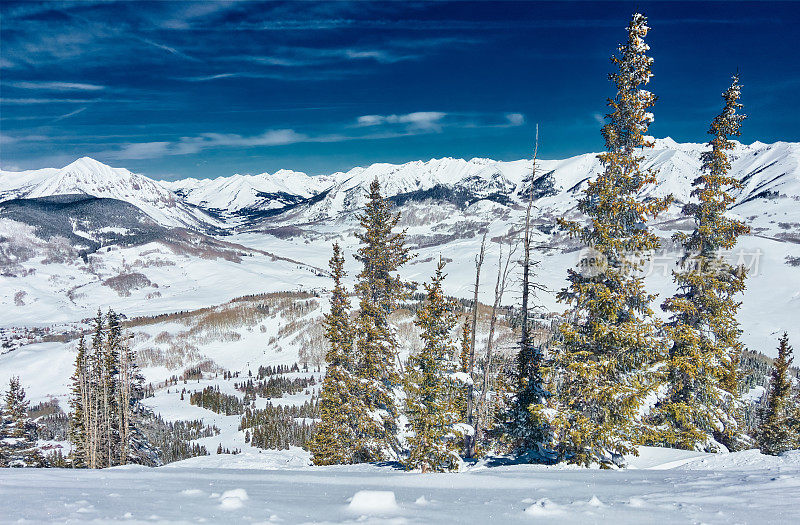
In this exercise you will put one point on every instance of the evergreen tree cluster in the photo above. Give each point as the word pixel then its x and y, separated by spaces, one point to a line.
pixel 172 441
pixel 275 386
pixel 269 370
pixel 276 427
pixel 52 423
pixel 358 401
pixel 359 408
pixel 612 376
pixel 211 398
pixel 106 388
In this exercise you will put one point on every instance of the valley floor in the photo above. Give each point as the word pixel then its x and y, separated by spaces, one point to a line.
pixel 661 486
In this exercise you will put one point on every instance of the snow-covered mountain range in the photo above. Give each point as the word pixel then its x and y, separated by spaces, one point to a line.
pixel 260 233
pixel 87 176
pixel 767 171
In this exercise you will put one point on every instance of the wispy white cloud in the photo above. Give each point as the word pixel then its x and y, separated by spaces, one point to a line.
pixel 169 49
pixel 437 121
pixel 71 114
pixel 515 119
pixel 56 86
pixel 9 139
pixel 366 127
pixel 26 101
pixel 424 120
pixel 190 145
pixel 142 150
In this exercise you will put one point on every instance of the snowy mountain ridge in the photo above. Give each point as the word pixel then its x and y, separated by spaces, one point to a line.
pixel 761 168
pixel 241 192
pixel 88 176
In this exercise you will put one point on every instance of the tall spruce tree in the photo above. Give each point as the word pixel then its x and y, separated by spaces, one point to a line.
pixel 342 412
pixel 609 339
pixel 379 288
pixel 17 432
pixel 775 433
pixel 700 409
pixel 109 387
pixel 80 424
pixel 430 390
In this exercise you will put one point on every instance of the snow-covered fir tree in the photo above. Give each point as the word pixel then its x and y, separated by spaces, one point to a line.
pixel 598 370
pixel 342 412
pixel 700 409
pixel 777 432
pixel 430 388
pixel 17 432
pixel 379 288
pixel 465 342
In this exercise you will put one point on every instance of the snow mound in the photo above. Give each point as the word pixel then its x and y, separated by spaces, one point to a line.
pixel 543 508
pixel 744 460
pixel 595 502
pixel 373 502
pixel 233 499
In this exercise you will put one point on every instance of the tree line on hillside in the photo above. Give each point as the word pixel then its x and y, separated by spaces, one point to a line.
pixel 584 396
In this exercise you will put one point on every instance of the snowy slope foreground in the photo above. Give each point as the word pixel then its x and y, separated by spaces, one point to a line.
pixel 197 490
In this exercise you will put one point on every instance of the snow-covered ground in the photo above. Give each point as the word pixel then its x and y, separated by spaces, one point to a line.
pixel 276 487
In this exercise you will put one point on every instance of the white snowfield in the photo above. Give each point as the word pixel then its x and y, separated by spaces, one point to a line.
pixel 671 487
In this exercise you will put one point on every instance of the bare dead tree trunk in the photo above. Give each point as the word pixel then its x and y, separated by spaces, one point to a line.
pixel 525 359
pixel 499 290
pixel 124 401
pixel 106 423
pixel 83 382
pixel 470 452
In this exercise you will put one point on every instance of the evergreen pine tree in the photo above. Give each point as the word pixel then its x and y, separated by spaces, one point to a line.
pixel 700 408
pixel 463 390
pixel 110 386
pixel 775 433
pixel 342 412
pixel 609 339
pixel 17 432
pixel 379 290
pixel 429 386
pixel 80 423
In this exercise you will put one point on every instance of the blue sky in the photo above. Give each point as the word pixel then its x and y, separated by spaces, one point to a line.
pixel 178 89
